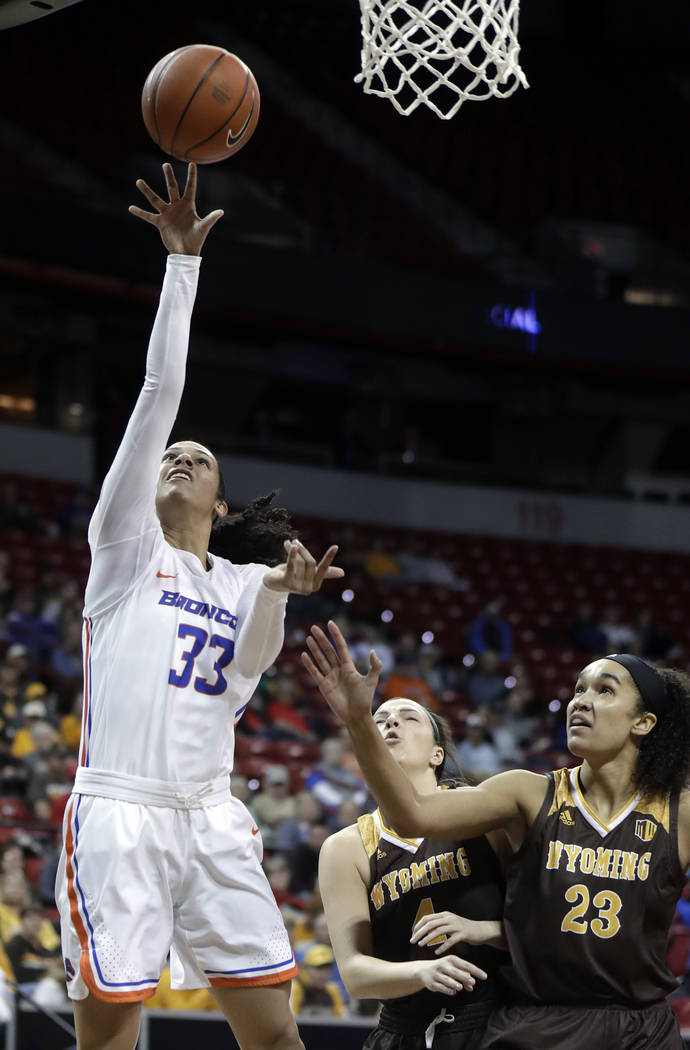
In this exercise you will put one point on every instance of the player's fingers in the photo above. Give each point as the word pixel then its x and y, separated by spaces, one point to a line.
pixel 154 200
pixel 210 220
pixel 190 187
pixel 326 645
pixel 324 564
pixel 171 183
pixel 462 968
pixel 147 216
pixel 318 656
pixel 339 642
pixel 311 667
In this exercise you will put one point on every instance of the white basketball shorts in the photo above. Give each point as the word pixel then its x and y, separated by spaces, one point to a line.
pixel 137 881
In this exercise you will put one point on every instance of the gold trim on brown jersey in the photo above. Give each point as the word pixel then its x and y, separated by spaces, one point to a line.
pixel 590 816
pixel 369 833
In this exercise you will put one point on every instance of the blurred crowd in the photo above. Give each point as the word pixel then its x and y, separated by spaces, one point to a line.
pixel 294 768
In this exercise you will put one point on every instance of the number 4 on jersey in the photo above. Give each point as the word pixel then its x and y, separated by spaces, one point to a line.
pixel 216 641
pixel 426 907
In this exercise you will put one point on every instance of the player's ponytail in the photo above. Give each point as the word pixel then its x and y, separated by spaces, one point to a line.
pixel 448 774
pixel 255 534
pixel 663 762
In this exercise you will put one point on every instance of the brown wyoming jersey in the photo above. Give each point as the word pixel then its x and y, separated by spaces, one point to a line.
pixel 410 878
pixel 588 904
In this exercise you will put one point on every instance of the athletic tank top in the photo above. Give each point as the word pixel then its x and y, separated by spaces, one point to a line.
pixel 410 878
pixel 588 905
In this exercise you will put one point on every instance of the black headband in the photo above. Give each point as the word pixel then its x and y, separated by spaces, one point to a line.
pixel 649 682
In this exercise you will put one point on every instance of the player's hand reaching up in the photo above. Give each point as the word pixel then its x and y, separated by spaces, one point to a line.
pixel 182 231
pixel 301 573
pixel 449 975
pixel 347 692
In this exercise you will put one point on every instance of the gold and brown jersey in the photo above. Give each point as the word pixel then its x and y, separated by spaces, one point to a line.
pixel 589 904
pixel 410 878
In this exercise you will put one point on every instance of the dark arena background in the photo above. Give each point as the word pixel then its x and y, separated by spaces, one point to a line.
pixel 458 348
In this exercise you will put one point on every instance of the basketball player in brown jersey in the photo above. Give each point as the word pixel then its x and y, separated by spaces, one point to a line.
pixel 599 851
pixel 397 906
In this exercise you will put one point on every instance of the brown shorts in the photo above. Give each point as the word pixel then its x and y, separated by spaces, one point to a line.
pixel 583 1028
pixel 381 1039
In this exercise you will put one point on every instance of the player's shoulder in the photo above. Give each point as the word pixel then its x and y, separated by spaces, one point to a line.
pixel 343 849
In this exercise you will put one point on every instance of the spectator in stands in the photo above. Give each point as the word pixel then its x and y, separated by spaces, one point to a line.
pixel 283 715
pixel 15 896
pixel 66 657
pixel 274 803
pixel 367 638
pixel 317 932
pixel 50 779
pixel 26 950
pixel 486 686
pixel 11 858
pixel 491 632
pixel 10 690
pixel 418 567
pixel 50 992
pixel 348 812
pixel 70 724
pixel 314 993
pixel 654 640
pixel 24 625
pixel 332 780
pixel 477 756
pixel 18 657
pixel 36 736
pixel 512 730
pixel 620 637
pixel 304 860
pixel 380 563
pixel 585 632
pixel 406 680
pixel 294 830
pixel 278 874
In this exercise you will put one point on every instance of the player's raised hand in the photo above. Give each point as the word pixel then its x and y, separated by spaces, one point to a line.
pixel 449 975
pixel 452 928
pixel 182 230
pixel 347 692
pixel 300 573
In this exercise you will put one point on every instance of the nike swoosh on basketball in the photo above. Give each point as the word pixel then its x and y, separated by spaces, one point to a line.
pixel 164 576
pixel 232 139
pixel 255 831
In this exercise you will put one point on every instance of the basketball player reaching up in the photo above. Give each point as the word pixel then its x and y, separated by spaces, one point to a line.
pixel 392 905
pixel 158 856
pixel 599 858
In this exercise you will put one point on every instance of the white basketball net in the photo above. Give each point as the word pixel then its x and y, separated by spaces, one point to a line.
pixel 439 52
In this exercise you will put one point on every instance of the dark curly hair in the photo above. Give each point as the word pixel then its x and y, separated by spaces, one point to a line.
pixel 255 534
pixel 663 762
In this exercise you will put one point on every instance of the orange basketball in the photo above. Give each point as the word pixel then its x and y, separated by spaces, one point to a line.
pixel 200 103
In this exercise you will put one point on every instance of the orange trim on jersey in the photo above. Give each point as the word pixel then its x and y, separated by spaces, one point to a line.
pixel 77 922
pixel 86 695
pixel 633 798
pixel 249 982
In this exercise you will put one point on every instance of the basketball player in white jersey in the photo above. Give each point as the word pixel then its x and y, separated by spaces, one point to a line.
pixel 158 856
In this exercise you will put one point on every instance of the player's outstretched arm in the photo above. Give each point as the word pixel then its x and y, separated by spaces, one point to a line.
pixel 343 874
pixel 125 513
pixel 510 800
pixel 182 230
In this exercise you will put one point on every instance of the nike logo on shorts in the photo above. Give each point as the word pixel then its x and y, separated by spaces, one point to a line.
pixel 164 576
pixel 255 831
